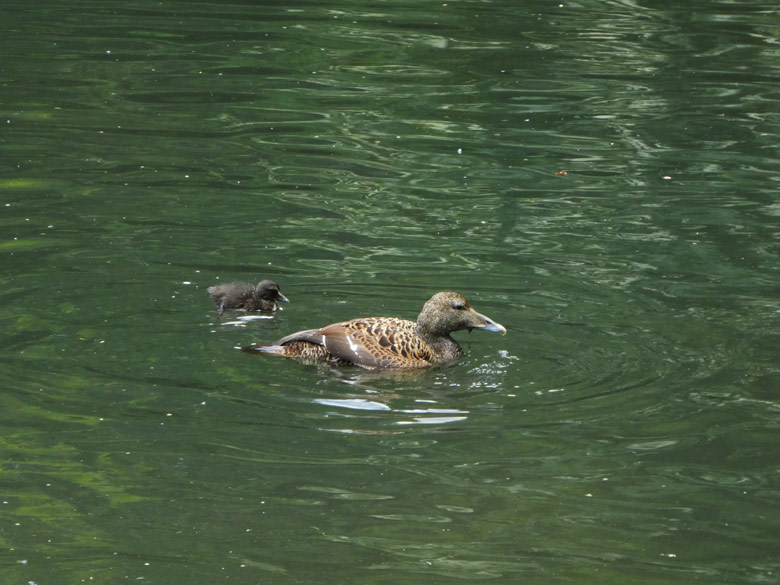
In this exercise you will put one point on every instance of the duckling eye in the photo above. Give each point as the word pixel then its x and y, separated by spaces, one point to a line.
pixel 459 305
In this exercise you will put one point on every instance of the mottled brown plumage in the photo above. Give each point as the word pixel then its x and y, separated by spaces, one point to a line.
pixel 247 297
pixel 388 342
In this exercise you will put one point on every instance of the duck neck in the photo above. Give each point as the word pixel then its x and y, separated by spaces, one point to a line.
pixel 444 347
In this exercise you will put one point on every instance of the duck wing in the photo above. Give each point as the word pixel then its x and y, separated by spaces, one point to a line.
pixel 374 342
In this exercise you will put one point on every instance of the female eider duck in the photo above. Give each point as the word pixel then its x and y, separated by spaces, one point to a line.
pixel 388 342
pixel 248 297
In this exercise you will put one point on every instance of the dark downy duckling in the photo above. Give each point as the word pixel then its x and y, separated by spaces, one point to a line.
pixel 248 297
pixel 388 342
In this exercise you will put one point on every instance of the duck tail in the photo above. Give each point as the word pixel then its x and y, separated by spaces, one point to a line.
pixel 269 349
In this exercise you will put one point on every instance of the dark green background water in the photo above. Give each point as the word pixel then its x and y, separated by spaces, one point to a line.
pixel 599 176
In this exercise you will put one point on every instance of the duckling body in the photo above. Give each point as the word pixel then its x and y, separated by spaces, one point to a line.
pixel 264 296
pixel 388 342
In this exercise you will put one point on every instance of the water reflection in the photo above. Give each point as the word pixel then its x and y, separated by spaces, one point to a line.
pixel 244 320
pixel 353 403
pixel 419 415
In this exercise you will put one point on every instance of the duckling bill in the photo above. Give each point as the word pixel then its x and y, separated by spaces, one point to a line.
pixel 264 296
pixel 388 342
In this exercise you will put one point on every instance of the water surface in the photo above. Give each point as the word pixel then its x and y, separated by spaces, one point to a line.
pixel 599 177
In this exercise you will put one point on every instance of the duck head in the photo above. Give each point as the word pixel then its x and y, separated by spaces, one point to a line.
pixel 268 289
pixel 446 312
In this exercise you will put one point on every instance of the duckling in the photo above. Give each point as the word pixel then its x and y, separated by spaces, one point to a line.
pixel 248 297
pixel 377 343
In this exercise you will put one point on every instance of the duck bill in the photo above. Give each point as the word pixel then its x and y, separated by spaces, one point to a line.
pixel 282 298
pixel 490 325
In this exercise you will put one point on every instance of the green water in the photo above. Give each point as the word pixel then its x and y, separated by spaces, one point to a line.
pixel 599 177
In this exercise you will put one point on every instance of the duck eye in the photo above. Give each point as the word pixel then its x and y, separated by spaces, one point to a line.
pixel 459 305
